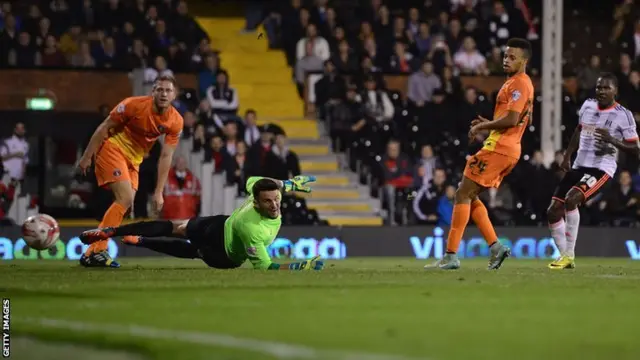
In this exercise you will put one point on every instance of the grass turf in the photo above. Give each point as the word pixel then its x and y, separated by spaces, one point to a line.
pixel 379 306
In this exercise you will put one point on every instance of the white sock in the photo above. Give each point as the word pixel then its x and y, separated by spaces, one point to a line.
pixel 573 224
pixel 558 234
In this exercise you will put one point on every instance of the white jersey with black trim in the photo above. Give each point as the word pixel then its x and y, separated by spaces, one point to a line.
pixel 621 125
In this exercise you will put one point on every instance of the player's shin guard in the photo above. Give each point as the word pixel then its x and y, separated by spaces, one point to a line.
pixel 558 233
pixel 573 224
pixel 146 228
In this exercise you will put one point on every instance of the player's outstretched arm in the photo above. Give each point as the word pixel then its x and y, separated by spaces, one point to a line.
pixel 311 264
pixel 299 183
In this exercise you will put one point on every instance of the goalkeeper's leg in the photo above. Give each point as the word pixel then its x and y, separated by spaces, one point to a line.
pixel 174 247
pixel 143 228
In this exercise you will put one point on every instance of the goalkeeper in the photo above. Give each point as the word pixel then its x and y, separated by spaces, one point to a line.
pixel 221 241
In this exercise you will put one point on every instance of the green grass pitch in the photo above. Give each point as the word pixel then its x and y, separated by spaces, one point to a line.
pixel 369 309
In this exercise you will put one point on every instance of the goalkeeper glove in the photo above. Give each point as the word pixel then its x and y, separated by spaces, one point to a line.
pixel 299 183
pixel 312 264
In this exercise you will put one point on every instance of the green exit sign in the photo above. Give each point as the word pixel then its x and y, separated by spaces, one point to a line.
pixel 40 104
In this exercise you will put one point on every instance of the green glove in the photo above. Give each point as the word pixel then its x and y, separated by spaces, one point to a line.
pixel 299 183
pixel 312 264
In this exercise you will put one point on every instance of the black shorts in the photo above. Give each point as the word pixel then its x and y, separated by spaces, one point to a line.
pixel 207 234
pixel 588 181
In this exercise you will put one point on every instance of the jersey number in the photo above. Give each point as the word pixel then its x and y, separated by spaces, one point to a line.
pixel 479 164
pixel 589 180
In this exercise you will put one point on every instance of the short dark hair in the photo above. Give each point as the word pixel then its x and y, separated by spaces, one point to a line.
pixel 168 78
pixel 250 111
pixel 522 44
pixel 263 185
pixel 609 76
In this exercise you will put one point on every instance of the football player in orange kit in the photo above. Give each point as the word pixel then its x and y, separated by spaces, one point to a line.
pixel 499 155
pixel 119 145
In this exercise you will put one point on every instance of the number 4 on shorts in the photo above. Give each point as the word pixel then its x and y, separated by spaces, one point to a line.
pixel 589 180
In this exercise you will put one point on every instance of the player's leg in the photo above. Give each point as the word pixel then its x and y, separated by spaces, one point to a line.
pixel 480 217
pixel 207 235
pixel 112 171
pixel 555 217
pixel 133 175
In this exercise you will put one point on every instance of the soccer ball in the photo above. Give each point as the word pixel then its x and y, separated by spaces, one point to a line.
pixel 40 231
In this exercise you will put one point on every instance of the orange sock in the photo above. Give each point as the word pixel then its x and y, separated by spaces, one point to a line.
pixel 459 220
pixel 113 217
pixel 480 216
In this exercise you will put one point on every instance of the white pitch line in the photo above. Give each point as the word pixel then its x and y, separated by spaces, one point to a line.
pixel 276 349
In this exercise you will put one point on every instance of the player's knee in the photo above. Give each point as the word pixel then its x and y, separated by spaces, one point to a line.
pixel 180 227
pixel 573 200
pixel 125 199
pixel 554 212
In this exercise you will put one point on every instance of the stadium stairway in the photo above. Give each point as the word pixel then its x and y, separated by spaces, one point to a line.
pixel 263 81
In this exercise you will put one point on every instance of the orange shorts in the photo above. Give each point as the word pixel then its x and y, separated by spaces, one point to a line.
pixel 113 166
pixel 488 168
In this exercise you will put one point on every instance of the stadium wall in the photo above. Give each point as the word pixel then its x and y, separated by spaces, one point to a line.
pixel 421 242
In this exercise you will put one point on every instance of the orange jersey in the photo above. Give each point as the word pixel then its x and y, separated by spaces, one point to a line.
pixel 141 127
pixel 515 95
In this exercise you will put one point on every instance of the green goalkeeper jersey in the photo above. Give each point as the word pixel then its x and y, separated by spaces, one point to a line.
pixel 247 234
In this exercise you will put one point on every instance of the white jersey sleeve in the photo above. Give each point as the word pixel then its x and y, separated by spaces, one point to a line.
pixel 628 126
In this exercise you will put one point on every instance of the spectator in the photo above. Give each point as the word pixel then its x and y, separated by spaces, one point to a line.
pixel 422 43
pixel 86 15
pixel 441 26
pixel 501 26
pixel 230 137
pixel 422 84
pixel 500 203
pixel 451 84
pixel 632 93
pixel 189 124
pixel 181 193
pixel 282 162
pixel 468 110
pixel 469 60
pixel 347 121
pixel 371 51
pixel 587 77
pixel 401 61
pixel 31 23
pixel 366 32
pixel 330 24
pixel 319 11
pixel 296 19
pixel 24 54
pixel 111 15
pixel 70 41
pixel 159 69
pixel 199 138
pixel 44 30
pixel 223 98
pixel 14 153
pixel 494 63
pixel 309 63
pixel 207 118
pixel 185 28
pixel 425 200
pixel 329 89
pixel 400 32
pixel 83 57
pixel 161 38
pixel 466 12
pixel 320 45
pixel 634 41
pixel 345 60
pixel 367 70
pixel 257 154
pixel 440 54
pixel 397 175
pixel 454 36
pixel 8 37
pixel 124 38
pixel 445 206
pixel 251 130
pixel 623 71
pixel 621 203
pixel 178 60
pixel 200 53
pixel 414 22
pixel 60 15
pixel 207 77
pixel 51 55
pixel 377 106
pixel 336 38
pixel 217 154
pixel 108 57
pixel 237 168
pixel 382 25
pixel 425 167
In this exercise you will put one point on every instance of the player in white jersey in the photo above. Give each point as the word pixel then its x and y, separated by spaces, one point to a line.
pixel 604 128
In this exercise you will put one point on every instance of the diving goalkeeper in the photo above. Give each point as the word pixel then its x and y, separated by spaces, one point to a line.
pixel 221 241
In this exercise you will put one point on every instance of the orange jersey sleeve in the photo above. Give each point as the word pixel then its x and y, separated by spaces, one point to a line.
pixel 515 95
pixel 174 130
pixel 142 126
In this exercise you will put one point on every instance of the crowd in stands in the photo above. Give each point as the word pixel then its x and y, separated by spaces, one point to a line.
pixel 412 150
pixel 162 38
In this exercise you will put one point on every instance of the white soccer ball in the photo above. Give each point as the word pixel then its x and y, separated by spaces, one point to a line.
pixel 40 232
